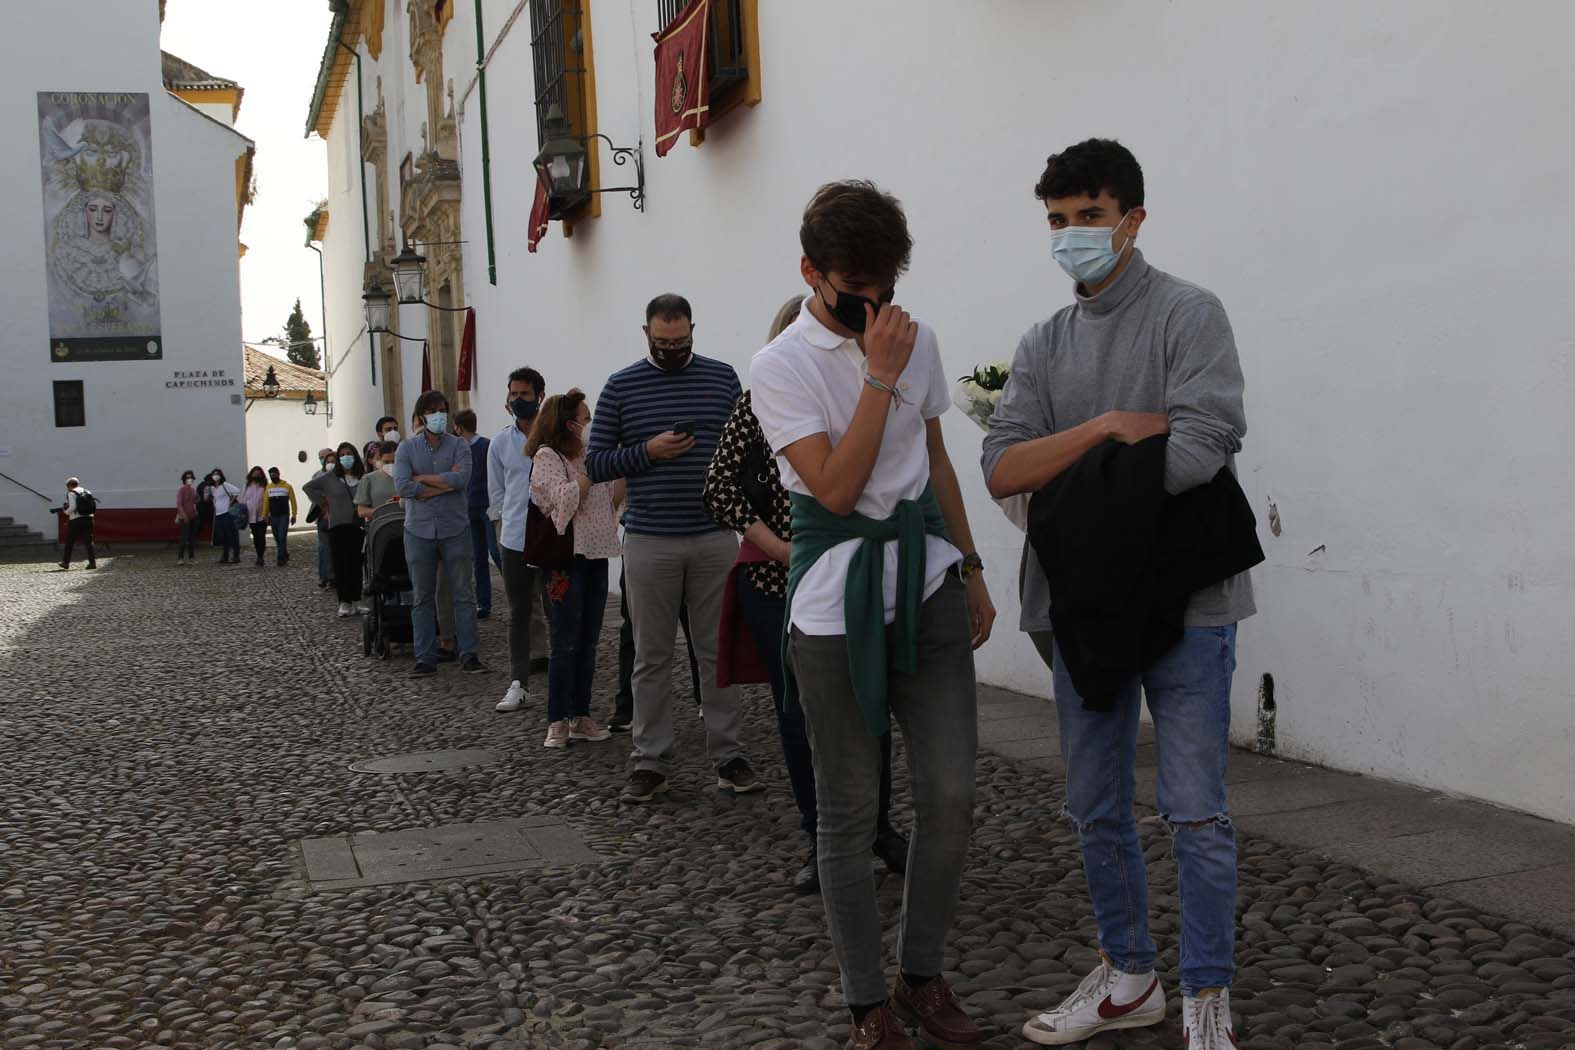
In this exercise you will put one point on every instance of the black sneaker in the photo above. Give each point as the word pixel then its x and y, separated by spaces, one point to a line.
pixel 892 848
pixel 735 775
pixel 421 670
pixel 643 785
pixel 619 725
pixel 470 663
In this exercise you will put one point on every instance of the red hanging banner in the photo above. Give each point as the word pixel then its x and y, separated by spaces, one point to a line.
pixel 683 83
pixel 540 213
pixel 467 352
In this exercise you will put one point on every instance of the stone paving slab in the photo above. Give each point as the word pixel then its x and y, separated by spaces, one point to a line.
pixel 152 895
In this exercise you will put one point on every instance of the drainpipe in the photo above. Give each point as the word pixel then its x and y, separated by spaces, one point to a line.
pixel 486 147
pixel 360 146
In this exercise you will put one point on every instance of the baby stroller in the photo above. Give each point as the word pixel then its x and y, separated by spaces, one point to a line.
pixel 387 583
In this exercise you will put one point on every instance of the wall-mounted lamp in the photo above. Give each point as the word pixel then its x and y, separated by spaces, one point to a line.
pixel 562 166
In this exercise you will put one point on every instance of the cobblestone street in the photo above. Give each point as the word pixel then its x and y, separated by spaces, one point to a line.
pixel 173 734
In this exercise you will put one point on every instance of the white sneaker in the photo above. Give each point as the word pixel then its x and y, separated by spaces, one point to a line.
pixel 1205 1022
pixel 1106 1000
pixel 557 734
pixel 512 699
pixel 345 610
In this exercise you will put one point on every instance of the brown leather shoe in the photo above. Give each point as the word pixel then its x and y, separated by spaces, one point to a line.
pixel 879 1030
pixel 934 1008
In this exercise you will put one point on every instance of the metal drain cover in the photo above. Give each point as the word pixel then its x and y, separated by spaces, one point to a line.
pixel 427 761
pixel 448 851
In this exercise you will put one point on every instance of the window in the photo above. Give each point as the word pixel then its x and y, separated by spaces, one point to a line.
pixel 70 409
pixel 733 51
pixel 560 45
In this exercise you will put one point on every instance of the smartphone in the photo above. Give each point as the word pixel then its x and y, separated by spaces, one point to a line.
pixel 686 428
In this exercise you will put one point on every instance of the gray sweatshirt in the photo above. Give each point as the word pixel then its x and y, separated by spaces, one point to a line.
pixel 1148 343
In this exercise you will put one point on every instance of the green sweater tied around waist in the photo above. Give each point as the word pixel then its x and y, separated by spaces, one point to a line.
pixel 817 530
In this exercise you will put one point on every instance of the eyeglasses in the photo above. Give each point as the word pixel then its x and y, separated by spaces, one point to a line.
pixel 673 346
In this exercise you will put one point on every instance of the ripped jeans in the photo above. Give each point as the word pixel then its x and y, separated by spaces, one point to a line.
pixel 1188 692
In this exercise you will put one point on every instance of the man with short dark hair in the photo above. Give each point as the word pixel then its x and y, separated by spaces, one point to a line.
pixel 79 521
pixel 387 429
pixel 657 424
pixel 508 494
pixel 431 470
pixel 279 496
pixel 483 539
pixel 886 600
pixel 1138 354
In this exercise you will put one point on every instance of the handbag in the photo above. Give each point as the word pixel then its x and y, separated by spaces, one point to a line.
pixel 757 477
pixel 545 546
pixel 239 513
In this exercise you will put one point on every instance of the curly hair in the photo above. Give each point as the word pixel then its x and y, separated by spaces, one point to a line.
pixel 856 229
pixel 1089 167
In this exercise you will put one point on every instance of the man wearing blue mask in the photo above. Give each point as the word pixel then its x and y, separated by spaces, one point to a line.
pixel 1138 354
pixel 508 496
pixel 431 471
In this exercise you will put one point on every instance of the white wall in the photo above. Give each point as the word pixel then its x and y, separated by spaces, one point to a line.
pixel 139 434
pixel 1375 193
pixel 278 431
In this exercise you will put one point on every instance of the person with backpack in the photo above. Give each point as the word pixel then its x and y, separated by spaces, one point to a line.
pixel 79 508
pixel 226 530
pixel 187 518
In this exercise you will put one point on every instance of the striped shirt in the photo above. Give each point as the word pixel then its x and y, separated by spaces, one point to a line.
pixel 637 404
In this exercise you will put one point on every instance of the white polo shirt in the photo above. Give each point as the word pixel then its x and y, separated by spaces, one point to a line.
pixel 808 381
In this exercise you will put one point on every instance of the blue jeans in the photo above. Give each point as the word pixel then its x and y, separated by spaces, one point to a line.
pixel 1188 692
pixel 421 557
pixel 576 603
pixel 483 544
pixel 281 537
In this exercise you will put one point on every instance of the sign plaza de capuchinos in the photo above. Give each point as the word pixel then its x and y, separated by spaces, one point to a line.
pixel 96 151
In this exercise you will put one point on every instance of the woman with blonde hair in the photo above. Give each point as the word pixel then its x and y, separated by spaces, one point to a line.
pixel 743 492
pixel 585 518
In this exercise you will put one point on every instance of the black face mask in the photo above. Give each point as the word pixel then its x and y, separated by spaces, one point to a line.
pixel 670 360
pixel 524 409
pixel 849 311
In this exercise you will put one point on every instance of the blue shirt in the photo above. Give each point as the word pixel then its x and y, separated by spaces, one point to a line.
pixel 477 490
pixel 642 401
pixel 508 485
pixel 443 515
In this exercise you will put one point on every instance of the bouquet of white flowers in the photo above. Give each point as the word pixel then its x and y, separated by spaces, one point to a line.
pixel 978 395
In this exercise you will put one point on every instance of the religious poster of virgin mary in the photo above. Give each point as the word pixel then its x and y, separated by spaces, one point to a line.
pixel 97 155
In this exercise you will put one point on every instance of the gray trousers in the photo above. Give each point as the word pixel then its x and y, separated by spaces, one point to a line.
pixel 936 706
pixel 660 573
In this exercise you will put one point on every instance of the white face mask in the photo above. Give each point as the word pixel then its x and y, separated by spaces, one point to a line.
pixel 390 435
pixel 387 468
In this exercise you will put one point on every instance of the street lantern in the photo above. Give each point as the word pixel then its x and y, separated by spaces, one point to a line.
pixel 410 275
pixel 270 384
pixel 375 302
pixel 309 406
pixel 561 162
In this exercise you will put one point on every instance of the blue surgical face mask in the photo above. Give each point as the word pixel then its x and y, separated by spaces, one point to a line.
pixel 347 459
pixel 1087 253
pixel 437 422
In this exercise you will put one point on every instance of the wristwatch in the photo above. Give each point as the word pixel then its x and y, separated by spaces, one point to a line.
pixel 971 565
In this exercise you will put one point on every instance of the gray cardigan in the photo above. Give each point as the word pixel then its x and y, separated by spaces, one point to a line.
pixel 338 495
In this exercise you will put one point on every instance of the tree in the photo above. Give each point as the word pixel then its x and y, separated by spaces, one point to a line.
pixel 299 347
